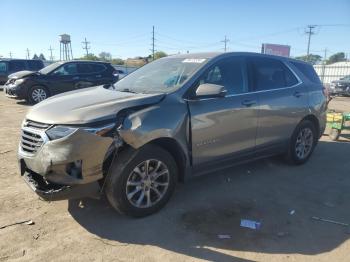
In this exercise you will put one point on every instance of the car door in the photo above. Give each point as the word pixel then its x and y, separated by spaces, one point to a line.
pixel 224 127
pixel 282 102
pixel 64 78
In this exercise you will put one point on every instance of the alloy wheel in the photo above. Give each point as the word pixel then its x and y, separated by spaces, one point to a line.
pixel 147 183
pixel 39 95
pixel 304 143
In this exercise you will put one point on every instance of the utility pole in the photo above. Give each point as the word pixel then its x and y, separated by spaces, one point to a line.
pixel 225 41
pixel 325 55
pixel 51 56
pixel 86 46
pixel 28 54
pixel 10 54
pixel 310 32
pixel 153 43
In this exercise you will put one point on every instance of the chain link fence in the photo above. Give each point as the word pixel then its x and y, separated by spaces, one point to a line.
pixel 329 73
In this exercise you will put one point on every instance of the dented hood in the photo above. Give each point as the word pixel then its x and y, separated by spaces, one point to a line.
pixel 88 105
pixel 21 74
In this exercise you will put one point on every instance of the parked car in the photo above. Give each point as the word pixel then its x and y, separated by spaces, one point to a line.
pixel 10 66
pixel 340 87
pixel 172 119
pixel 120 73
pixel 58 78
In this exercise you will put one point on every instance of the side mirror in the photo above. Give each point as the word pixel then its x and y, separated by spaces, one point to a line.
pixel 210 90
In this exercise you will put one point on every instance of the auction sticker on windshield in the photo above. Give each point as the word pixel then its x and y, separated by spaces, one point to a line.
pixel 191 60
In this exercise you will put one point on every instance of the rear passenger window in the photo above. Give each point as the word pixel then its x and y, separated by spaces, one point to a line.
pixel 34 65
pixel 308 71
pixel 230 73
pixel 272 74
pixel 98 68
pixel 15 66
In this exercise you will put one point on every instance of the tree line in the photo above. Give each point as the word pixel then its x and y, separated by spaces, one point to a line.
pixel 316 59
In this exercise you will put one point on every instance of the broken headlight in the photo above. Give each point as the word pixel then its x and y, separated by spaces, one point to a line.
pixel 57 132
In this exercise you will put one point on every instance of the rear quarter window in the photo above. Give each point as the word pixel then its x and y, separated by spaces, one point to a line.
pixel 308 71
pixel 97 68
pixel 3 67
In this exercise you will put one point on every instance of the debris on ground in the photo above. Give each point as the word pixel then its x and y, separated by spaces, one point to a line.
pixel 330 221
pixel 36 236
pixel 329 204
pixel 282 234
pixel 250 224
pixel 81 204
pixel 6 151
pixel 27 222
pixel 224 236
pixel 292 212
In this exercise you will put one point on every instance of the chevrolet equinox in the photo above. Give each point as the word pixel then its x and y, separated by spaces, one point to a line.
pixel 174 118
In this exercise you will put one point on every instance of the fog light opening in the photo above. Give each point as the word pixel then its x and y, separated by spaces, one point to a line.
pixel 74 169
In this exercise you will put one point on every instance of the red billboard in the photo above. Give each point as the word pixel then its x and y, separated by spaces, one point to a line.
pixel 272 49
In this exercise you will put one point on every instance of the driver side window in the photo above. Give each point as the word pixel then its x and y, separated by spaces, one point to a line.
pixel 230 73
pixel 67 69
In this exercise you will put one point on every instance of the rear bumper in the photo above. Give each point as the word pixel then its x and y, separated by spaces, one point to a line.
pixel 53 192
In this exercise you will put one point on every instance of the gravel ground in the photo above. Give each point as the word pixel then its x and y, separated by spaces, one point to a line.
pixel 187 228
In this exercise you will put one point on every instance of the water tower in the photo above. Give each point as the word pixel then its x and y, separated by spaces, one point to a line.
pixel 65 47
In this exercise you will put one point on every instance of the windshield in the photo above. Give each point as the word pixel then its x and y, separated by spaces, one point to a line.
pixel 50 68
pixel 161 76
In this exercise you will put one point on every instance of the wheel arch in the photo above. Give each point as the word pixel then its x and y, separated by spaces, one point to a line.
pixel 313 119
pixel 174 148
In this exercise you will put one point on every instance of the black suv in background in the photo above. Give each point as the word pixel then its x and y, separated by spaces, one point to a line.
pixel 58 78
pixel 10 66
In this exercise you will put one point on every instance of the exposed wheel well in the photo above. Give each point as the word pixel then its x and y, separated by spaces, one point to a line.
pixel 315 121
pixel 176 151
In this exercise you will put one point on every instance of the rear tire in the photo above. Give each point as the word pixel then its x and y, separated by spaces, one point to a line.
pixel 334 134
pixel 302 143
pixel 138 191
pixel 37 94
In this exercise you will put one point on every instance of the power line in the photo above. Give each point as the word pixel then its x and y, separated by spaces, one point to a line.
pixel 51 56
pixel 86 46
pixel 310 32
pixel 225 41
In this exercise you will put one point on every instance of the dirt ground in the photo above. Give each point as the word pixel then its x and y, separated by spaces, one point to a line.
pixel 187 228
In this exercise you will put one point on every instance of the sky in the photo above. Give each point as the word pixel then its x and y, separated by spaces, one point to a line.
pixel 124 28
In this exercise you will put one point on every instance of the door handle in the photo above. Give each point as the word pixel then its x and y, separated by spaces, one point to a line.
pixel 297 94
pixel 98 76
pixel 248 103
pixel 76 78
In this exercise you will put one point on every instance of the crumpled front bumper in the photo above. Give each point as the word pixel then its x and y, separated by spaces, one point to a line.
pixel 53 192
pixel 50 171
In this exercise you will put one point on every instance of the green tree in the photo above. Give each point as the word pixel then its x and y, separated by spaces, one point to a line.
pixel 338 57
pixel 42 57
pixel 35 56
pixel 117 61
pixel 311 58
pixel 105 56
pixel 90 57
pixel 159 54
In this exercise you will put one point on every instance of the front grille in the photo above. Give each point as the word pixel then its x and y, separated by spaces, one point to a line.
pixel 31 142
pixel 33 136
pixel 36 125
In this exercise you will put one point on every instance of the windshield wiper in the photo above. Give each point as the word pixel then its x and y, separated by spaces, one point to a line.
pixel 127 90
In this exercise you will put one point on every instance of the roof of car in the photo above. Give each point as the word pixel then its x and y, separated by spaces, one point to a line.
pixel 210 55
pixel 19 59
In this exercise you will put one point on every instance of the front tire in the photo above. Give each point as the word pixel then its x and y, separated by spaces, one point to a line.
pixel 37 94
pixel 141 182
pixel 302 143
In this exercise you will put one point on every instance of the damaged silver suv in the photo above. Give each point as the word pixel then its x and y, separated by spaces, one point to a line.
pixel 174 118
